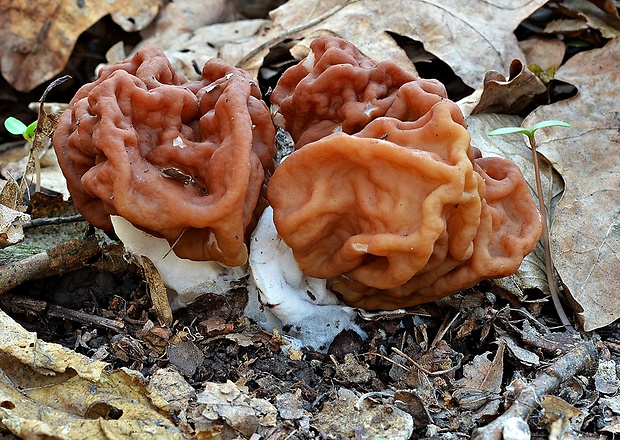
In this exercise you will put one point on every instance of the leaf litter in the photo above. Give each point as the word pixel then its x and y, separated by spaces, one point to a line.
pixel 490 362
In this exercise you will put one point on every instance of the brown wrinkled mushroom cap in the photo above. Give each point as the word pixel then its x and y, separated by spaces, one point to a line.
pixel 337 89
pixel 399 212
pixel 175 158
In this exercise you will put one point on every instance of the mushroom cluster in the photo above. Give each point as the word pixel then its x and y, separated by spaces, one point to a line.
pixel 181 160
pixel 384 194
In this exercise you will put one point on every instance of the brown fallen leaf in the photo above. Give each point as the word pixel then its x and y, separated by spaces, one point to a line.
pixel 226 404
pixel 498 94
pixel 594 17
pixel 471 37
pixel 11 222
pixel 606 378
pixel 48 391
pixel 157 291
pixel 182 16
pixel 607 6
pixel 36 38
pixel 563 419
pixel 185 356
pixel 189 51
pixel 344 416
pixel 585 233
pixel 478 390
pixel 544 52
pixel 12 215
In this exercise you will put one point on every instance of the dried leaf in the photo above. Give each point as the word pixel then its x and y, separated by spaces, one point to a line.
pixel 564 419
pixel 613 403
pixel 11 222
pixel 499 94
pixel 585 233
pixel 290 405
pixel 342 418
pixel 157 291
pixel 38 37
pixel 484 374
pixel 48 391
pixel 593 16
pixel 478 390
pixel 11 195
pixel 226 403
pixel 606 379
pixel 185 356
pixel 524 356
pixel 170 386
pixel 189 51
pixel 471 37
pixel 544 52
pixel 607 6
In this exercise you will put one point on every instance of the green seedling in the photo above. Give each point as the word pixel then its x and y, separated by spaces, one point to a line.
pixel 553 288
pixel 18 128
pixel 35 133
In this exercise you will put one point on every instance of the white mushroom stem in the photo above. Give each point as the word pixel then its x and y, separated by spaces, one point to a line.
pixel 185 279
pixel 282 297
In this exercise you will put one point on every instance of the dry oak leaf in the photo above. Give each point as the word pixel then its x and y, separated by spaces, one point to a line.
pixel 49 391
pixel 589 15
pixel 471 37
pixel 37 37
pixel 506 95
pixel 585 233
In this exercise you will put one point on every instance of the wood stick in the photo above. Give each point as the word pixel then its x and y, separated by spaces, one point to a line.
pixel 548 379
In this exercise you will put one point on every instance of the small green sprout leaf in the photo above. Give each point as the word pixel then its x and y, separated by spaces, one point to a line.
pixel 15 126
pixel 29 133
pixel 528 132
pixel 508 130
pixel 544 124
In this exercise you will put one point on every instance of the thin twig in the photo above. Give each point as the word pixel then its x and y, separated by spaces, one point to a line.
pixel 444 329
pixel 384 357
pixel 582 358
pixel 175 243
pixel 47 221
pixel 85 318
pixel 358 404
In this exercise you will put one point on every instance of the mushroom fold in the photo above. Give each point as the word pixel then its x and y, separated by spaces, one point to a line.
pixel 181 160
pixel 384 195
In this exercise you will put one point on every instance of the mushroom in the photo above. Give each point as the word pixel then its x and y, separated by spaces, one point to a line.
pixel 181 160
pixel 385 196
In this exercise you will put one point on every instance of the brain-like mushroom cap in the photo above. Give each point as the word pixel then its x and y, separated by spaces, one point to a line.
pixel 400 212
pixel 182 160
pixel 337 89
